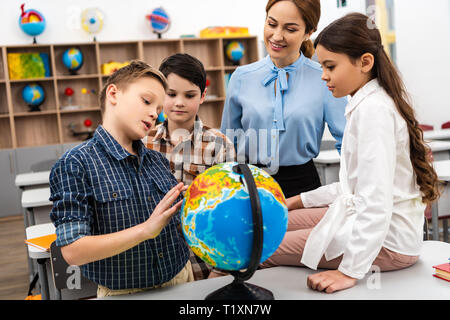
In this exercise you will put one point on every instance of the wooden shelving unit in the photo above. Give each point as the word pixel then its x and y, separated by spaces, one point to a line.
pixel 21 128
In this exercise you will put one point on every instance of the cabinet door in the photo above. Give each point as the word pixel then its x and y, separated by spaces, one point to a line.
pixel 37 158
pixel 9 193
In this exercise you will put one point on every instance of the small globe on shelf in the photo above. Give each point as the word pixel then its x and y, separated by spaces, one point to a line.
pixel 159 21
pixel 235 51
pixel 32 22
pixel 92 21
pixel 34 96
pixel 73 60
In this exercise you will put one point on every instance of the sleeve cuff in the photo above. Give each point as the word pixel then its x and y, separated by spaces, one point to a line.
pixel 69 232
pixel 355 275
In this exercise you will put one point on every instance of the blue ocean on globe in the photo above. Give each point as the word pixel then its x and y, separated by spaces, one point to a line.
pixel 32 22
pixel 72 59
pixel 234 51
pixel 33 94
pixel 159 20
pixel 217 219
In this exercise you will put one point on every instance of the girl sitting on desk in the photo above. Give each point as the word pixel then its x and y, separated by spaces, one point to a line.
pixel 376 211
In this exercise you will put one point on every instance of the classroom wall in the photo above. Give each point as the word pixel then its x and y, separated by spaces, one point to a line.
pixel 423 44
pixel 423 33
pixel 125 20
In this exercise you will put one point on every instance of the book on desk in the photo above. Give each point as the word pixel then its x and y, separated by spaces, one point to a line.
pixel 442 271
pixel 43 243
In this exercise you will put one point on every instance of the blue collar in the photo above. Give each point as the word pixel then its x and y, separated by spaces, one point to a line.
pixel 280 74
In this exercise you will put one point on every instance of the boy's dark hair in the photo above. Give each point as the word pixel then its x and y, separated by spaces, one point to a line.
pixel 130 73
pixel 187 67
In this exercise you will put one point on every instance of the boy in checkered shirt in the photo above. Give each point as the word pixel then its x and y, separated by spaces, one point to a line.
pixel 189 145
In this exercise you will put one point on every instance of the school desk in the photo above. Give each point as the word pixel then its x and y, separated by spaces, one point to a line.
pixel 443 134
pixel 40 256
pixel 289 283
pixel 328 164
pixel 30 180
pixel 328 161
pixel 37 204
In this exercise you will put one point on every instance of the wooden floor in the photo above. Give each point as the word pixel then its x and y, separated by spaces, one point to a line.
pixel 14 278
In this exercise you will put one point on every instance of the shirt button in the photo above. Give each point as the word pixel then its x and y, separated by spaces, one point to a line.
pixel 115 195
pixel 149 198
pixel 160 254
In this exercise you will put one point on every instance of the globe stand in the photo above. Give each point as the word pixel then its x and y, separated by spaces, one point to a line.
pixel 34 108
pixel 239 289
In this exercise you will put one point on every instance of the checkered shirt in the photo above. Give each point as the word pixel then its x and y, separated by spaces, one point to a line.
pixel 100 188
pixel 202 149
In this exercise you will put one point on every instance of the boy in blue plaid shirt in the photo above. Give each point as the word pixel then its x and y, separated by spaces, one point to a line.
pixel 112 197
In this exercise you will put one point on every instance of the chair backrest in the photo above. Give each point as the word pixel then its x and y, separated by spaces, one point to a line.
pixel 69 277
pixel 446 125
pixel 426 127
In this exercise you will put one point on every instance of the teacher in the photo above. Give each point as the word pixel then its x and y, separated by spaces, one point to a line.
pixel 276 109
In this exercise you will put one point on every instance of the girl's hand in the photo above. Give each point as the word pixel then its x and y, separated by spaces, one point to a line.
pixel 294 203
pixel 163 212
pixel 330 281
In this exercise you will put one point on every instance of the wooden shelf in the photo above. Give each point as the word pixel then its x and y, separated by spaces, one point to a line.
pixel 32 80
pixel 34 114
pixel 79 76
pixel 21 128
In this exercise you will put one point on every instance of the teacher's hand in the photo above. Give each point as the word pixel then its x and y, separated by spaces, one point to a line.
pixel 330 281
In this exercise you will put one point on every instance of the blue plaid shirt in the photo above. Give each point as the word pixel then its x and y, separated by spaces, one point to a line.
pixel 100 188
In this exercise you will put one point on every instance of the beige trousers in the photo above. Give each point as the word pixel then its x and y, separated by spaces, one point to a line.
pixel 300 224
pixel 185 275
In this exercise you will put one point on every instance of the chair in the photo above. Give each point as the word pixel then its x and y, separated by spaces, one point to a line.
pixel 426 127
pixel 440 218
pixel 446 125
pixel 69 278
pixel 428 213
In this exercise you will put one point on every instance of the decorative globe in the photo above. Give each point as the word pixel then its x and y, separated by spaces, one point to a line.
pixel 72 59
pixel 31 21
pixel 159 21
pixel 33 95
pixel 217 221
pixel 234 51
pixel 161 117
pixel 92 20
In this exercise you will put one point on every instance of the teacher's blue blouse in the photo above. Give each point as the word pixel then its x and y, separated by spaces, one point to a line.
pixel 298 118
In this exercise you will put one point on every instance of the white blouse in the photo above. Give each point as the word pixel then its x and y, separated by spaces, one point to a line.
pixel 377 202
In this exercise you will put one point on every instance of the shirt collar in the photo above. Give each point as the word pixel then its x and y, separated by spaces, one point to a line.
pixel 162 131
pixel 114 148
pixel 369 88
pixel 295 65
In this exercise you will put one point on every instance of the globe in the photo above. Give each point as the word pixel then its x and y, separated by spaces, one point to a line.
pixel 33 95
pixel 234 51
pixel 72 59
pixel 92 20
pixel 161 117
pixel 159 21
pixel 216 216
pixel 31 21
